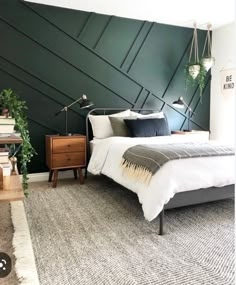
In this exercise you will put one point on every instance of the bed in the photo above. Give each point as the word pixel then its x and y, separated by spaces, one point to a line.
pixel 178 183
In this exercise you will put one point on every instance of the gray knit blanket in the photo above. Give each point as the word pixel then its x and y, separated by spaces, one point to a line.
pixel 143 161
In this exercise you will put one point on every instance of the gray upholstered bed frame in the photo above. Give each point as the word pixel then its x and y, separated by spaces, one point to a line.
pixel 180 199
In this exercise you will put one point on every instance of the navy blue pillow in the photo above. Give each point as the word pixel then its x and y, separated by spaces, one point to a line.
pixel 148 127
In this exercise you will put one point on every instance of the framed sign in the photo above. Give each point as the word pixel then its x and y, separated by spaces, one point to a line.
pixel 228 81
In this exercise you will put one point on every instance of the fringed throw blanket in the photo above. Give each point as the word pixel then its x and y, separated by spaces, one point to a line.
pixel 142 162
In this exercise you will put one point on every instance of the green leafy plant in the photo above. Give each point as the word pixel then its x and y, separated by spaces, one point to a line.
pixel 199 80
pixel 12 105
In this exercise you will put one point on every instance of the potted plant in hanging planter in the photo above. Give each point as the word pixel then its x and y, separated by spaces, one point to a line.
pixel 16 109
pixel 195 72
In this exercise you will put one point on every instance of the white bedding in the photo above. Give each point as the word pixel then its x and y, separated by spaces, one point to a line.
pixel 175 176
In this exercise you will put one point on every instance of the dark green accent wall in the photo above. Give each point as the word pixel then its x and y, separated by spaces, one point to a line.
pixel 50 56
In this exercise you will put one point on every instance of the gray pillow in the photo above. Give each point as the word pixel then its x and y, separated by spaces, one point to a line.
pixel 119 127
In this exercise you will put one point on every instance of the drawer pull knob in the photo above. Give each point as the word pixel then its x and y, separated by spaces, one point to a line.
pixel 68 145
pixel 68 159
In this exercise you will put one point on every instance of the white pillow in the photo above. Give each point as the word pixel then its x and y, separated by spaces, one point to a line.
pixel 158 115
pixel 101 124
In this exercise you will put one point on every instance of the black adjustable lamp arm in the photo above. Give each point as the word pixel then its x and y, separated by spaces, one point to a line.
pixel 67 107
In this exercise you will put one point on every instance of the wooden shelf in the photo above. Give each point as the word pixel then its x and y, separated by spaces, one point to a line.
pixel 12 139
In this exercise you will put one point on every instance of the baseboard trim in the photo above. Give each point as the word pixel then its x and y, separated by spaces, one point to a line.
pixel 43 176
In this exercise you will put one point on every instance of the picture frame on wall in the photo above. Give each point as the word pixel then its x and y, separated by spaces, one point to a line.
pixel 228 81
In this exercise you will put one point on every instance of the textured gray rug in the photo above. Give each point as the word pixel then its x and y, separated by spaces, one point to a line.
pixel 96 234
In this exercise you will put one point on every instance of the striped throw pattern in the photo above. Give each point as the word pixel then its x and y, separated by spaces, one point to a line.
pixel 143 161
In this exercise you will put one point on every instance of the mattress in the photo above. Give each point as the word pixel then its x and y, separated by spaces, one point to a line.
pixel 174 177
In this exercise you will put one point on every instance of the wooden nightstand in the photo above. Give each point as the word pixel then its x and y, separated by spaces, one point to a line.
pixel 65 152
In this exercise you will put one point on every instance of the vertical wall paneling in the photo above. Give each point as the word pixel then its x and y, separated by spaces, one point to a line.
pixel 51 56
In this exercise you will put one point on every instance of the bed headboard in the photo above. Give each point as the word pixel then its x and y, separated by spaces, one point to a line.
pixel 109 111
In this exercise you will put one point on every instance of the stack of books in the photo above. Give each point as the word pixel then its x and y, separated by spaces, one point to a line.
pixel 7 125
pixel 5 163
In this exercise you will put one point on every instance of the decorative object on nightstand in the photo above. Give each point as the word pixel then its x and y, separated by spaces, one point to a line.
pixel 83 102
pixel 180 103
pixel 65 152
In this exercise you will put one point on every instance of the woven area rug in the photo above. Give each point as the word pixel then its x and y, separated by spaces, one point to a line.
pixel 96 234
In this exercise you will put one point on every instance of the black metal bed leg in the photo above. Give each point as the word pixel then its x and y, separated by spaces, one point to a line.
pixel 161 217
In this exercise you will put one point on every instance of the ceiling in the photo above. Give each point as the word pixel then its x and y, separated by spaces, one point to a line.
pixel 175 12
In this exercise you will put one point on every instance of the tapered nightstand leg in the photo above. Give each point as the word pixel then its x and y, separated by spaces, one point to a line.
pixel 55 176
pixel 81 176
pixel 50 176
pixel 75 173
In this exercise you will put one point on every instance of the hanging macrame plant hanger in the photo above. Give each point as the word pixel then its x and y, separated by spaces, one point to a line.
pixel 194 66
pixel 207 59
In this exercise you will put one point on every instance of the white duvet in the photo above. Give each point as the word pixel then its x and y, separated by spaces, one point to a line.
pixel 175 176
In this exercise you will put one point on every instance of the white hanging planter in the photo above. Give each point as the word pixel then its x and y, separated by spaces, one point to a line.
pixel 194 70
pixel 207 62
pixel 207 59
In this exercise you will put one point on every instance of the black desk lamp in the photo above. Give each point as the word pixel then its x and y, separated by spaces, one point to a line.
pixel 180 103
pixel 83 102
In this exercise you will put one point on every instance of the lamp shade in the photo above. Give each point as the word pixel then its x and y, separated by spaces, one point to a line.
pixel 179 103
pixel 85 103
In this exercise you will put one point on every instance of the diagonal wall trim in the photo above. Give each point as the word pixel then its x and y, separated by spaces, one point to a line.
pixel 149 30
pixel 144 101
pixel 129 50
pixel 92 51
pixel 86 23
pixel 177 67
pixel 102 33
pixel 83 45
pixel 139 95
pixel 34 88
pixel 64 60
pixel 142 96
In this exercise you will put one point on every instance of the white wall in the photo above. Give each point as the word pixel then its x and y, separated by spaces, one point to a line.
pixel 222 107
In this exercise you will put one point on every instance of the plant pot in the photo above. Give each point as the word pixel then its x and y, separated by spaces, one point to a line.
pixel 207 62
pixel 194 70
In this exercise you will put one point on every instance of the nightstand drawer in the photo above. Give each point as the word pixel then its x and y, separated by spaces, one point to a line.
pixel 64 160
pixel 68 145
